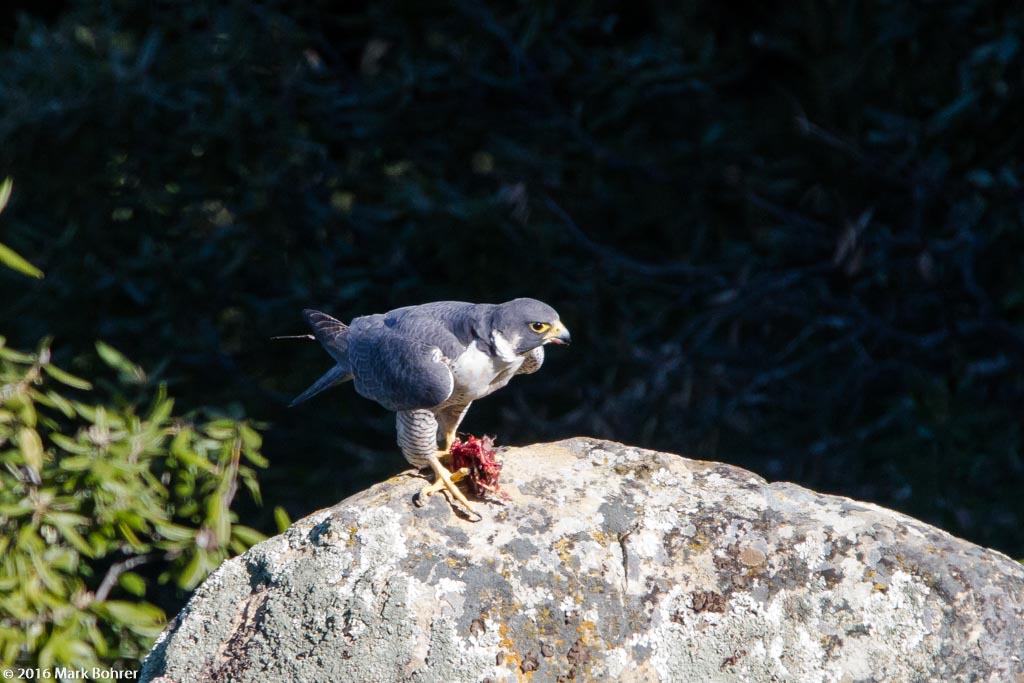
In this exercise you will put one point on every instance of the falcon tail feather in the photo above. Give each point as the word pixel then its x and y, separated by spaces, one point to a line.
pixel 335 375
pixel 330 332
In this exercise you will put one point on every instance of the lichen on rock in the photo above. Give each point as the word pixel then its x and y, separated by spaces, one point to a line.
pixel 608 563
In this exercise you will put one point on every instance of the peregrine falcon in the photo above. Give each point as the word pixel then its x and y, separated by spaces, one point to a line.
pixel 429 363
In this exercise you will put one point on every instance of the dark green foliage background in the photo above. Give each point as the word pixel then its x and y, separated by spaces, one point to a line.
pixel 785 235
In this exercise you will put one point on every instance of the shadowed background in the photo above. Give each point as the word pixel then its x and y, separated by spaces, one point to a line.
pixel 786 236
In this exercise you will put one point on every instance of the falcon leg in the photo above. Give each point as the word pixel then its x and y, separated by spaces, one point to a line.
pixel 417 437
pixel 448 421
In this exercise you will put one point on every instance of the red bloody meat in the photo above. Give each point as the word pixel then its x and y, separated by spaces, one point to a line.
pixel 478 456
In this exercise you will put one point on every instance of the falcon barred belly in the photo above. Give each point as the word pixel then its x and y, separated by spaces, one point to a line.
pixel 428 364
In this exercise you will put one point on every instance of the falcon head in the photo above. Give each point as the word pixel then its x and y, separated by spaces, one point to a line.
pixel 526 324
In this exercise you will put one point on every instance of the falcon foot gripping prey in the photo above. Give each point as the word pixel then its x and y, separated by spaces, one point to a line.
pixel 428 364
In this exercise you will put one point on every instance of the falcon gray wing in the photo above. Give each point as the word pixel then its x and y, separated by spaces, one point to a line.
pixel 400 367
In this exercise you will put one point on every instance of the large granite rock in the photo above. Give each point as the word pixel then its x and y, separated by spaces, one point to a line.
pixel 610 563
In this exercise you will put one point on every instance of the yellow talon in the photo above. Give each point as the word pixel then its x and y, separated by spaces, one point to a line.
pixel 439 483
pixel 444 479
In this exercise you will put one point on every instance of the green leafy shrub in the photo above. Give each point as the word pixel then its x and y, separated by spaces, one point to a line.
pixel 99 499
pixel 9 257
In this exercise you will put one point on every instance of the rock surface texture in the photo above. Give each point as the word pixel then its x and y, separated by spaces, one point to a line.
pixel 610 563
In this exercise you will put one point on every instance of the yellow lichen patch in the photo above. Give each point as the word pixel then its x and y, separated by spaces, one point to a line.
pixel 510 655
pixel 564 548
pixel 586 631
pixel 880 587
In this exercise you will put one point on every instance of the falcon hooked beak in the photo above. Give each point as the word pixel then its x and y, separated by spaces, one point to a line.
pixel 558 334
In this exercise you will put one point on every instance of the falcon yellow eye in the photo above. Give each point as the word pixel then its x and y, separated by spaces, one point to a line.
pixel 539 328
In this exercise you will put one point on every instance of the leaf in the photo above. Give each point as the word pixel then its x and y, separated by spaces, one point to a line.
pixel 51 579
pixel 13 260
pixel 69 518
pixel 79 653
pixel 16 356
pixel 75 463
pixel 247 535
pixel 130 611
pixel 256 458
pixel 252 484
pixel 26 410
pixel 251 439
pixel 85 410
pixel 133 583
pixel 161 411
pixel 64 559
pixel 5 192
pixel 118 361
pixel 47 654
pixel 281 519
pixel 194 571
pixel 75 539
pixel 174 532
pixel 23 507
pixel 96 637
pixel 129 535
pixel 67 378
pixel 141 617
pixel 70 445
pixel 11 645
pixel 31 448
pixel 217 518
pixel 221 430
pixel 61 404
